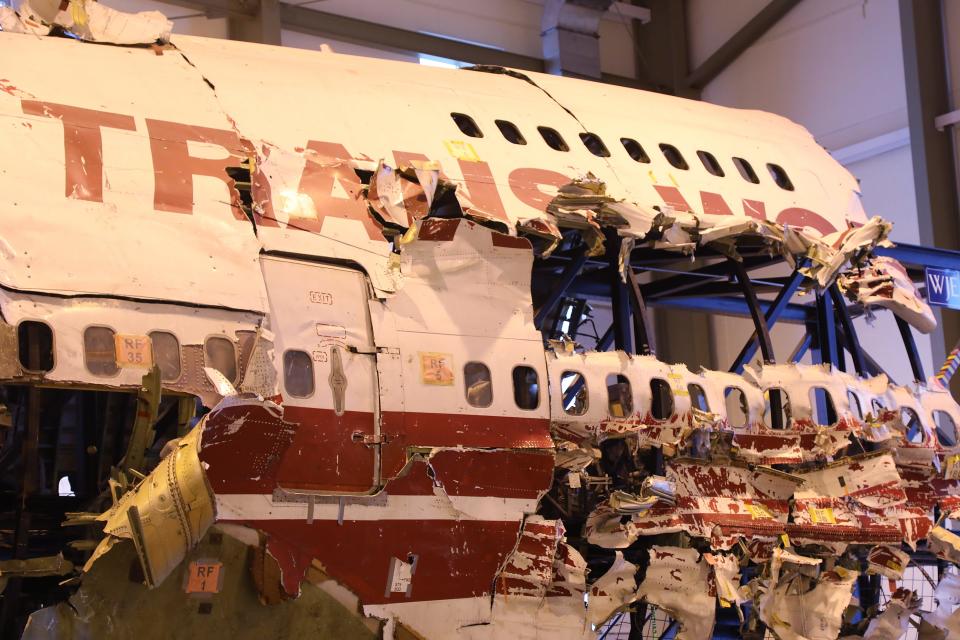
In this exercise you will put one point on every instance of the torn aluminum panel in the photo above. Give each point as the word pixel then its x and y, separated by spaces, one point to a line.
pixel 856 500
pixel 539 591
pixel 89 20
pixel 612 591
pixel 678 581
pixel 944 544
pixel 887 561
pixel 721 503
pixel 943 623
pixel 795 605
pixel 829 254
pixel 166 515
pixel 894 621
pixel 884 282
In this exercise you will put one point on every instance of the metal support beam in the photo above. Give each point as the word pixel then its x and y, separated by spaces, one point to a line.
pixel 826 329
pixel 641 325
pixel 739 42
pixel 849 332
pixel 759 318
pixel 570 36
pixel 771 316
pixel 916 365
pixel 934 172
pixel 255 21
pixel 802 347
pixel 569 274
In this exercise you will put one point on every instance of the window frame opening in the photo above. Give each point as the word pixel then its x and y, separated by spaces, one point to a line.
pixel 110 366
pixel 746 170
pixel 473 391
pixel 954 438
pixel 743 406
pixel 697 391
pixel 510 132
pixel 207 358
pixel 574 396
pixel 673 155
pixel 165 374
pixel 780 177
pixel 710 163
pixel 553 138
pixel 594 144
pixel 635 150
pixel 312 377
pixel 816 394
pixel 620 405
pixel 786 413
pixel 466 124
pixel 517 388
pixel 913 427
pixel 657 397
pixel 38 334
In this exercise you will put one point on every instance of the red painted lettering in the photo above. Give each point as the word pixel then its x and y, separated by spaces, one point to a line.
pixel 673 198
pixel 526 186
pixel 805 218
pixel 82 144
pixel 478 185
pixel 174 167
pixel 714 204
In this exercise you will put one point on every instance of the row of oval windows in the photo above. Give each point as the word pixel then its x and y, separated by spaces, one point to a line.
pixel 35 347
pixel 100 358
pixel 634 149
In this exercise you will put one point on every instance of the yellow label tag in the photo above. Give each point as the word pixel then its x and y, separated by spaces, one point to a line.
pixel 821 515
pixel 461 150
pixel 785 540
pixel 759 511
pixel 133 351
pixel 436 368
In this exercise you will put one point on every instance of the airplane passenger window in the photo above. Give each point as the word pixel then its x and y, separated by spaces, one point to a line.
pixel 821 403
pixel 298 373
pixel 698 398
pixel 854 403
pixel 553 139
pixel 877 407
pixel 738 413
pixel 595 145
pixel 710 163
pixel 573 387
pixel 946 428
pixel 662 406
pixel 100 351
pixel 467 125
pixel 785 414
pixel 635 150
pixel 478 385
pixel 910 420
pixel 673 156
pixel 746 170
pixel 35 345
pixel 166 353
pixel 780 177
pixel 526 387
pixel 220 354
pixel 619 396
pixel 510 132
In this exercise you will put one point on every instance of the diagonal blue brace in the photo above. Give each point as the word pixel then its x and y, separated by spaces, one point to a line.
pixel 570 273
pixel 772 315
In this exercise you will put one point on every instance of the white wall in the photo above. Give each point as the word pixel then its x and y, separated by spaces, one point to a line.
pixel 836 67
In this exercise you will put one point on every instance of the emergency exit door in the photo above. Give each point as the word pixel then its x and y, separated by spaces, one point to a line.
pixel 328 375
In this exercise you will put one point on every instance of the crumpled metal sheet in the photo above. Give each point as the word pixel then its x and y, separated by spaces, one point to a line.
pixel 166 515
pixel 615 589
pixel 678 581
pixel 894 621
pixel 943 623
pixel 884 282
pixel 88 20
pixel 888 561
pixel 795 611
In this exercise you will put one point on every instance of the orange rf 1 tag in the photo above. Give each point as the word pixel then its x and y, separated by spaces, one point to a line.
pixel 204 577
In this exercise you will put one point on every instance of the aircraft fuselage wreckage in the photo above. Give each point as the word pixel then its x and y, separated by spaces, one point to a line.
pixel 291 345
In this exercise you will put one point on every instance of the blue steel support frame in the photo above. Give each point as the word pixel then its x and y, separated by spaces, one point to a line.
pixel 771 316
pixel 916 364
pixel 826 329
pixel 850 339
pixel 570 273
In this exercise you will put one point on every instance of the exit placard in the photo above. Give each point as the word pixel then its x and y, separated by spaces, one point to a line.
pixel 943 287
